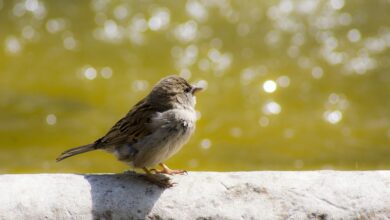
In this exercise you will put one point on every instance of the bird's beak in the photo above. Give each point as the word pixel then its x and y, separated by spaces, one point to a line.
pixel 196 89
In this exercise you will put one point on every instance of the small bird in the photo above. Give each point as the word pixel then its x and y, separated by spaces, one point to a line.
pixel 152 131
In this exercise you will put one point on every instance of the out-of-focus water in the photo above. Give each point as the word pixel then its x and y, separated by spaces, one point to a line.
pixel 291 85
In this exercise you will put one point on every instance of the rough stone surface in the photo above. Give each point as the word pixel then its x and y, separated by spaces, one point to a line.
pixel 198 195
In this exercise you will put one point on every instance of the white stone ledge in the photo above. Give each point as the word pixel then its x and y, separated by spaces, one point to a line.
pixel 198 195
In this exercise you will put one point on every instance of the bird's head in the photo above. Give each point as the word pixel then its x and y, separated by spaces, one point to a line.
pixel 175 90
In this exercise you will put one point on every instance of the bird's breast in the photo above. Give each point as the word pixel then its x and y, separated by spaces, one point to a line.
pixel 172 129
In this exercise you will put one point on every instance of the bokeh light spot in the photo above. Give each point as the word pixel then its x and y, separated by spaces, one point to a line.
pixel 283 81
pixel 354 35
pixel 317 72
pixel 159 20
pixel 263 121
pixel 236 132
pixel 90 73
pixel 337 4
pixel 140 85
pixel 205 144
pixel 333 117
pixel 13 45
pixel 272 108
pixel 269 86
pixel 106 72
pixel 51 119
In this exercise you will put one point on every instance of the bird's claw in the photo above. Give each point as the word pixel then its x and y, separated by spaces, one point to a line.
pixel 184 172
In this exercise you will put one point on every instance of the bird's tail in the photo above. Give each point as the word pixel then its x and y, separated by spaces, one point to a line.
pixel 75 151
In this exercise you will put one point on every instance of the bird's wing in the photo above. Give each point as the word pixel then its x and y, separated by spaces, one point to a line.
pixel 131 128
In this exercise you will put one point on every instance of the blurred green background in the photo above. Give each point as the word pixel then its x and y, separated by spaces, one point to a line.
pixel 291 85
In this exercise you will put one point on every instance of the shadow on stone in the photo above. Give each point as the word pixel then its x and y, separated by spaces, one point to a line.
pixel 122 196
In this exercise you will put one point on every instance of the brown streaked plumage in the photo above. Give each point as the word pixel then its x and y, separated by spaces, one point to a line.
pixel 153 130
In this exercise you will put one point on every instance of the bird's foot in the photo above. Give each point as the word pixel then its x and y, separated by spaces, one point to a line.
pixel 167 170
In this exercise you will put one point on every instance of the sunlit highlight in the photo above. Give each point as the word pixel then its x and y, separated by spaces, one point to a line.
pixel 269 86
pixel 51 119
pixel 333 117
pixel 272 108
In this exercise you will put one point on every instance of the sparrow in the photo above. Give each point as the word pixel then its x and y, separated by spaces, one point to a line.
pixel 152 131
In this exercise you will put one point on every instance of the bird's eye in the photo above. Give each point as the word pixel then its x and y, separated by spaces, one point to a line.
pixel 187 90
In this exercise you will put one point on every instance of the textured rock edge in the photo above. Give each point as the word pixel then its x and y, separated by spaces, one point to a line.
pixel 198 195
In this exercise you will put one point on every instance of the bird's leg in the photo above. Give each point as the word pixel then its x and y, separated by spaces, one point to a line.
pixel 167 170
pixel 154 179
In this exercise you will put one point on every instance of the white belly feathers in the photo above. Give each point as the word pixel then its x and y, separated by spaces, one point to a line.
pixel 173 129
